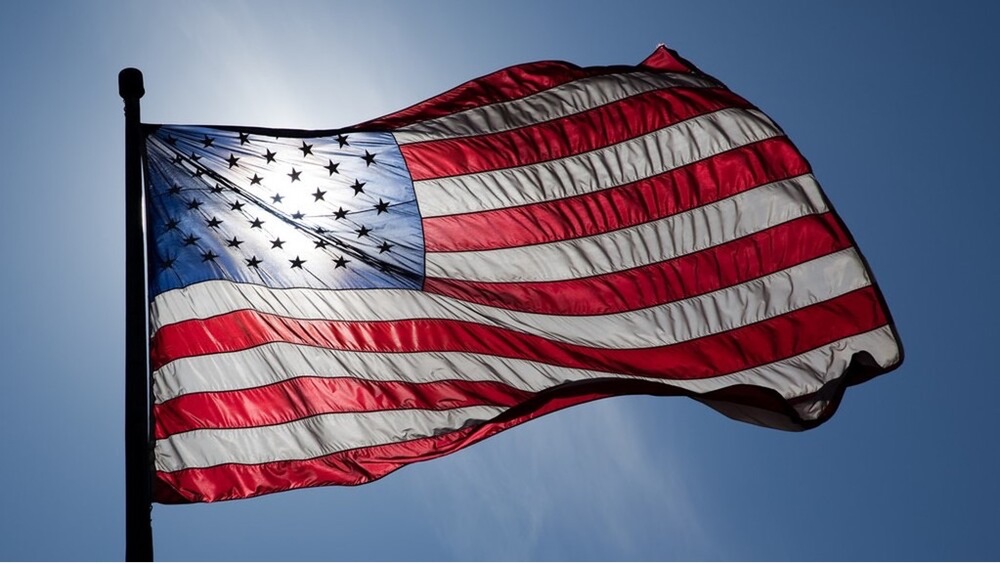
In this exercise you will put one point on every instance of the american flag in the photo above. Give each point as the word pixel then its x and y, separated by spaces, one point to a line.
pixel 329 306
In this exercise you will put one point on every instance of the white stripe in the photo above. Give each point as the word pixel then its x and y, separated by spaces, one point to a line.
pixel 311 437
pixel 806 373
pixel 277 362
pixel 622 163
pixel 676 235
pixel 805 284
pixel 561 101
pixel 327 434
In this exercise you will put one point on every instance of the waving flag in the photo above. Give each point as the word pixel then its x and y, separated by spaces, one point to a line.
pixel 328 306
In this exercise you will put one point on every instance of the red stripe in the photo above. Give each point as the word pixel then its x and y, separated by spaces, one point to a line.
pixel 753 256
pixel 664 59
pixel 578 133
pixel 680 189
pixel 753 345
pixel 504 85
pixel 307 396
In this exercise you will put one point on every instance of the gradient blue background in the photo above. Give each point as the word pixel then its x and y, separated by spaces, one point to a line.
pixel 893 103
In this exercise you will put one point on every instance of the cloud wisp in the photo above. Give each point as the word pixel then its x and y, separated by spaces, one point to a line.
pixel 593 474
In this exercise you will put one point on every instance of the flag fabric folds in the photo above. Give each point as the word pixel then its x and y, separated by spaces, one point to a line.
pixel 329 306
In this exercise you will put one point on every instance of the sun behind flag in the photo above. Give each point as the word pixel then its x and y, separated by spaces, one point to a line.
pixel 328 306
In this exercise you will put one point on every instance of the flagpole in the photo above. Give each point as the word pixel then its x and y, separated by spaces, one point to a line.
pixel 138 455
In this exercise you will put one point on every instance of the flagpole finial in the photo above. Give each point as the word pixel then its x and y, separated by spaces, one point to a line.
pixel 130 83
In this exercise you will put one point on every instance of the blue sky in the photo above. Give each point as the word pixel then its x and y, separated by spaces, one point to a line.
pixel 892 102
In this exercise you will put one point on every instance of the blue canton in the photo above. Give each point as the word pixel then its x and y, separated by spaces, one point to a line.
pixel 281 209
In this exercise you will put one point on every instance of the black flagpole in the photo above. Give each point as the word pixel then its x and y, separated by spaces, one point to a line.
pixel 138 455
